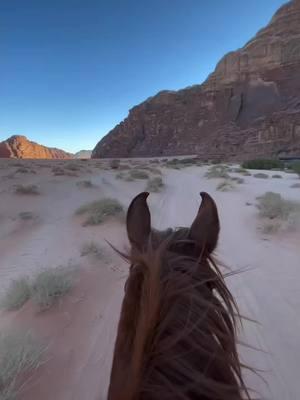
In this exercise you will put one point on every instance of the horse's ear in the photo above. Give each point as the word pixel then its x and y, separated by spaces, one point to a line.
pixel 206 226
pixel 139 221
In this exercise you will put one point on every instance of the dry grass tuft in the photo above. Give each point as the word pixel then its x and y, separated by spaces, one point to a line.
pixel 20 353
pixel 155 184
pixel 51 284
pixel 100 210
pixel 16 295
pixel 27 189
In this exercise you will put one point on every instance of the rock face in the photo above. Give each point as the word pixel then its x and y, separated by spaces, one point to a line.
pixel 83 154
pixel 20 147
pixel 248 107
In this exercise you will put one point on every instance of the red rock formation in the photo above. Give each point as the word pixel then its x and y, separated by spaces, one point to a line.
pixel 248 107
pixel 20 147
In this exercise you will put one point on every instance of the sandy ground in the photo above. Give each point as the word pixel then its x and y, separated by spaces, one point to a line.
pixel 80 330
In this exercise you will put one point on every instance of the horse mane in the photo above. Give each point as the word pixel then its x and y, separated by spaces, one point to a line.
pixel 179 325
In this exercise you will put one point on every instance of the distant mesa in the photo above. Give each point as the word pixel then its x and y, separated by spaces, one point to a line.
pixel 18 146
pixel 83 154
pixel 248 107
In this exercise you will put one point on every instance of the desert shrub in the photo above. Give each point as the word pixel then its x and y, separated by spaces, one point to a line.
pixel 20 353
pixel 239 170
pixel 86 184
pixel 155 184
pixel 238 180
pixel 92 248
pixel 16 295
pixel 217 171
pixel 138 174
pixel 26 215
pixel 100 210
pixel 27 189
pixel 295 186
pixel 114 164
pixel 72 167
pixel 271 205
pixel 225 186
pixel 277 176
pixel 22 170
pixel 261 175
pixel 263 164
pixel 51 284
pixel 295 167
pixel 58 171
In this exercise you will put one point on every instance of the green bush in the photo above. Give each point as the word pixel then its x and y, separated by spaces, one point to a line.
pixel 16 295
pixel 263 164
pixel 100 210
pixel 295 166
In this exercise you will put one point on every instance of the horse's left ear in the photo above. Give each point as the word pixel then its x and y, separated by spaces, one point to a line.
pixel 206 226
pixel 139 221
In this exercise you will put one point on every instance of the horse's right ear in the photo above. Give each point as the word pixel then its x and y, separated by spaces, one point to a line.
pixel 206 226
pixel 138 221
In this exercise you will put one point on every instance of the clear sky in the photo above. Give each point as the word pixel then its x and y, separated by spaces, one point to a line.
pixel 71 69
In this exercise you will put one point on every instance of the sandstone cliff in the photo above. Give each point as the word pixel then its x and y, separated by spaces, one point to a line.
pixel 248 107
pixel 20 147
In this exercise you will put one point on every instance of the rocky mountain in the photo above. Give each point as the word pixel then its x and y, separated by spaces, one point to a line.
pixel 20 147
pixel 83 154
pixel 248 107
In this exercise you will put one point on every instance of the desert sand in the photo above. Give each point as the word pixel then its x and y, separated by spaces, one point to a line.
pixel 80 330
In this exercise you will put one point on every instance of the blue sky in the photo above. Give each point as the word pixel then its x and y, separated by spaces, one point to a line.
pixel 70 70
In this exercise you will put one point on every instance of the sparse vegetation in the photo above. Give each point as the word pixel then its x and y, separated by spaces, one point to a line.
pixel 238 180
pixel 72 166
pixel 26 215
pixel 261 175
pixel 99 211
pixel 277 176
pixel 27 189
pixel 16 295
pixel 58 171
pixel 20 353
pixel 217 171
pixel 51 284
pixel 138 174
pixel 225 186
pixel 155 184
pixel 93 249
pixel 263 164
pixel 86 184
pixel 176 163
pixel 115 164
pixel 295 167
pixel 278 212
pixel 22 170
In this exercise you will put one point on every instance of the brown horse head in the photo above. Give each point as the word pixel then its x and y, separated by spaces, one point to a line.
pixel 176 337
